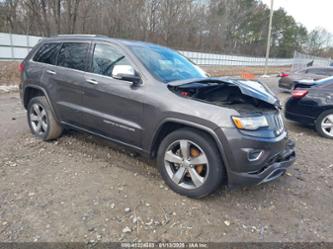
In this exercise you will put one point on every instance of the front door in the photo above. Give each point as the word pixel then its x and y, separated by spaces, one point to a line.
pixel 113 108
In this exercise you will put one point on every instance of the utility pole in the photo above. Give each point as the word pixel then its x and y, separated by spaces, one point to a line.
pixel 269 37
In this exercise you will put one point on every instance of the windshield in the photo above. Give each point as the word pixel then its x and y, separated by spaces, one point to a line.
pixel 167 65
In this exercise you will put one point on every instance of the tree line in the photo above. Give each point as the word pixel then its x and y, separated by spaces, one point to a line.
pixel 228 26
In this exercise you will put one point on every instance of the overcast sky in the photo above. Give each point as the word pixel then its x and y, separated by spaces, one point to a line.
pixel 311 13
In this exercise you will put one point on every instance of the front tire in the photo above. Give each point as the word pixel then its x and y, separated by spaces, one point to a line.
pixel 324 124
pixel 190 163
pixel 41 120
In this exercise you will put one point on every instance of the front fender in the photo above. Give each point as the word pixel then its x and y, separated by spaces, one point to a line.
pixel 184 123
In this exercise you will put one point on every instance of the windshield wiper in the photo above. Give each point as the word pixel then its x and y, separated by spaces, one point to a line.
pixel 113 63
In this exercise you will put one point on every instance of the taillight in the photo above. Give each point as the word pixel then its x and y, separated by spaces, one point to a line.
pixel 21 68
pixel 298 94
pixel 282 75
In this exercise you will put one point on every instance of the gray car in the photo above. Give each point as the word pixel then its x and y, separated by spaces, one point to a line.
pixel 290 81
pixel 203 132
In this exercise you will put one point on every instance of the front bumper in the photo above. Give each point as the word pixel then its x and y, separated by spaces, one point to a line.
pixel 277 155
pixel 276 167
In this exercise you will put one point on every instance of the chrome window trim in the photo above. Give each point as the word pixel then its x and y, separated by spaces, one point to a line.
pixel 92 44
pixel 110 78
pixel 62 42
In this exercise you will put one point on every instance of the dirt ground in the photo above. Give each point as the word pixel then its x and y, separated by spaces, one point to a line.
pixel 81 188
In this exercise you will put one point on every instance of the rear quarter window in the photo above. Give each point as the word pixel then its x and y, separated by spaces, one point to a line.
pixel 47 53
pixel 73 55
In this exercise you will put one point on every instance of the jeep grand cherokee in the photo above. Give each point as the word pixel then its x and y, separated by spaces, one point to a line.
pixel 202 131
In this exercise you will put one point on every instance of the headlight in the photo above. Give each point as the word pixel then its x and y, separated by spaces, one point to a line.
pixel 250 123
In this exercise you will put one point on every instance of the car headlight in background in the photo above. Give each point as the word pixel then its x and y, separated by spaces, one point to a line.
pixel 250 123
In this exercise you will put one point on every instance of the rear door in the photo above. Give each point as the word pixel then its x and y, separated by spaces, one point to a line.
pixel 66 79
pixel 318 99
pixel 325 94
pixel 41 64
pixel 113 108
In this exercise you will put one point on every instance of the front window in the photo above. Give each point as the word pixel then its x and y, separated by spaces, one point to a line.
pixel 167 65
pixel 105 58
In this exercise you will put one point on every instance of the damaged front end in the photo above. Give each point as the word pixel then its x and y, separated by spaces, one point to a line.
pixel 257 106
pixel 256 147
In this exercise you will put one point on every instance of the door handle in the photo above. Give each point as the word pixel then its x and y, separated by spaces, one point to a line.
pixel 92 81
pixel 51 72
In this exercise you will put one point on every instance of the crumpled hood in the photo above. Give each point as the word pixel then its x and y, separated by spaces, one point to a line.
pixel 248 87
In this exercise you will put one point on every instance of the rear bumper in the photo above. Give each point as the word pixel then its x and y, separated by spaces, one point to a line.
pixel 275 155
pixel 285 85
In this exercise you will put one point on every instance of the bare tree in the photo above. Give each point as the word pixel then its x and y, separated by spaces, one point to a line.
pixel 230 26
pixel 319 41
pixel 10 8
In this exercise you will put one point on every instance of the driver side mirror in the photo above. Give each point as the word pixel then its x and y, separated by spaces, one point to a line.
pixel 127 73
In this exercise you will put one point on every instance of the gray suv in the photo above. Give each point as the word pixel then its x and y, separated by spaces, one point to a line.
pixel 203 132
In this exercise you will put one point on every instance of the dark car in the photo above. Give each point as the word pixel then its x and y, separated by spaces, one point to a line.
pixel 290 81
pixel 313 106
pixel 202 131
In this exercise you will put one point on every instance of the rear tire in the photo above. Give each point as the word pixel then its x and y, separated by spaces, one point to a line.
pixel 324 124
pixel 41 119
pixel 188 177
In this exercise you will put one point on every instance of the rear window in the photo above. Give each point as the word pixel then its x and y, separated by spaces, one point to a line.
pixel 47 53
pixel 312 71
pixel 319 71
pixel 73 55
pixel 329 72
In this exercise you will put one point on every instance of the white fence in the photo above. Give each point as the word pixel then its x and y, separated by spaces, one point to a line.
pixel 301 61
pixel 210 59
pixel 16 47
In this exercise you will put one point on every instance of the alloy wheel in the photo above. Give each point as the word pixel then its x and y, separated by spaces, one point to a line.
pixel 38 119
pixel 327 125
pixel 186 164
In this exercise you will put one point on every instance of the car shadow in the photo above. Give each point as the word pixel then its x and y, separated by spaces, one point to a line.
pixel 110 152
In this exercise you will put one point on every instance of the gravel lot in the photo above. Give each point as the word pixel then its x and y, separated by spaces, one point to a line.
pixel 81 188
